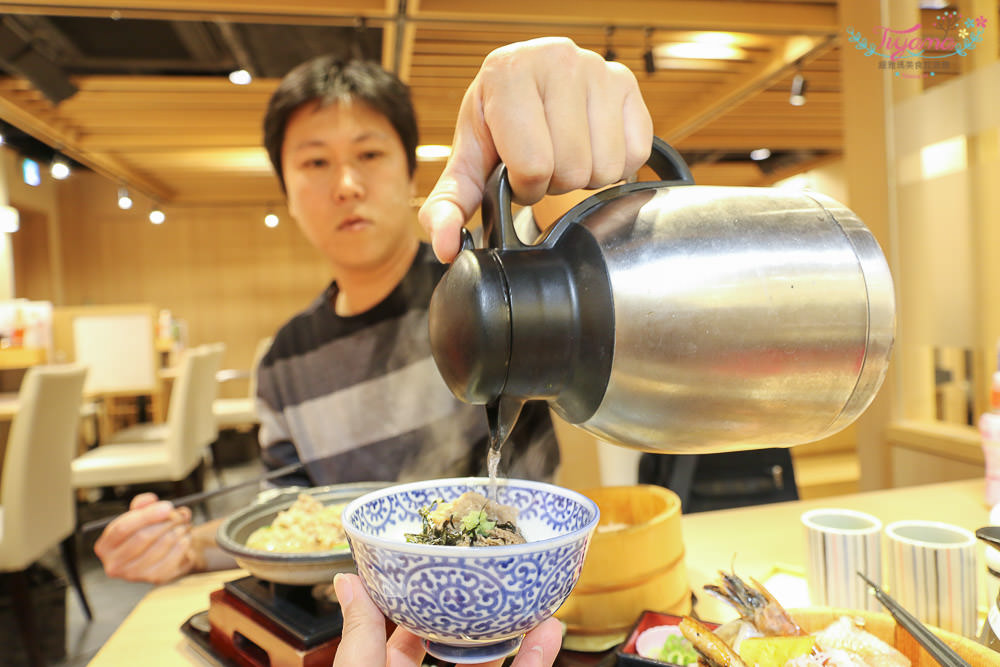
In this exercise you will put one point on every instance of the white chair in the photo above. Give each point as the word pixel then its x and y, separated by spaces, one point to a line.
pixel 37 506
pixel 161 452
pixel 239 413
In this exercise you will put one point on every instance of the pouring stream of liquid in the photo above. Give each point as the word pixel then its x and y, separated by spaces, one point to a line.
pixel 501 416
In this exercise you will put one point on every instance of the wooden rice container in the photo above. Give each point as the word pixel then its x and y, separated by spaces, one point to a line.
pixel 635 562
pixel 885 627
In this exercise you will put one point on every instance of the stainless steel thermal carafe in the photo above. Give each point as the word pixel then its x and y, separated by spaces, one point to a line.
pixel 673 317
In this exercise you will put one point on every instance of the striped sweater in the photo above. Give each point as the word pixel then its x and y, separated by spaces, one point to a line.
pixel 362 399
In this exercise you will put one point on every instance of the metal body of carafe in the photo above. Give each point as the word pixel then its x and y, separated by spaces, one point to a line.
pixel 668 316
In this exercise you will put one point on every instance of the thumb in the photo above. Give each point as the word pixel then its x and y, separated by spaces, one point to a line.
pixel 363 638
pixel 459 190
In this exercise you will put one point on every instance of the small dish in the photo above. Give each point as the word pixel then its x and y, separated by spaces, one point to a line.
pixel 652 625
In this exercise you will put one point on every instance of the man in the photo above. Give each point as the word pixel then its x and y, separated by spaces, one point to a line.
pixel 349 385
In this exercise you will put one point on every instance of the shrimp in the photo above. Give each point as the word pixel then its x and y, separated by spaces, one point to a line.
pixel 708 644
pixel 755 605
pixel 841 644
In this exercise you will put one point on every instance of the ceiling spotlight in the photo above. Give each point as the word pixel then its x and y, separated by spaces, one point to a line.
pixel 157 216
pixel 798 96
pixel 271 220
pixel 760 154
pixel 240 77
pixel 1 138
pixel 59 169
pixel 124 201
pixel 433 152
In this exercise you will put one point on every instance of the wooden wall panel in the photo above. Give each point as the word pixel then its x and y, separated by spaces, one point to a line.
pixel 32 268
pixel 230 278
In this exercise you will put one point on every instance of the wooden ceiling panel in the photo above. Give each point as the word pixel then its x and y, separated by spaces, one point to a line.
pixel 185 139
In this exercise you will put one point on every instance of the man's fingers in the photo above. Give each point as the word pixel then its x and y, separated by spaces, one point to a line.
pixel 123 528
pixel 458 191
pixel 135 557
pixel 143 500
pixel 443 219
pixel 404 649
pixel 516 123
pixel 607 131
pixel 134 563
pixel 638 128
pixel 167 560
pixel 363 638
pixel 540 646
pixel 559 117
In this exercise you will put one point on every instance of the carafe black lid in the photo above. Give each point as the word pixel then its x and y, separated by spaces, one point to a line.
pixel 470 326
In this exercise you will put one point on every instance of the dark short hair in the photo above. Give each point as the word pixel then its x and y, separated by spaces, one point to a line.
pixel 330 79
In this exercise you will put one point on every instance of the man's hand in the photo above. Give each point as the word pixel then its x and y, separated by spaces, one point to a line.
pixel 363 642
pixel 560 117
pixel 151 542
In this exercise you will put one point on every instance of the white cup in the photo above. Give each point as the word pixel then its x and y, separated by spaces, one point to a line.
pixel 841 543
pixel 932 573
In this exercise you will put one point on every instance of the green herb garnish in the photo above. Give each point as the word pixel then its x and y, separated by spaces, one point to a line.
pixel 678 650
pixel 476 522
pixel 453 531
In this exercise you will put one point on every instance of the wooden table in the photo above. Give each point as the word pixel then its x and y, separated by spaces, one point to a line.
pixel 756 539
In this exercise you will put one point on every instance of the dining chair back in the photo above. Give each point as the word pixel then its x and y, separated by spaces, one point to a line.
pixel 37 508
pixel 178 446
pixel 240 412
pixel 205 390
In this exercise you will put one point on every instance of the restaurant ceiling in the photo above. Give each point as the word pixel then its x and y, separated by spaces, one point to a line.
pixel 139 91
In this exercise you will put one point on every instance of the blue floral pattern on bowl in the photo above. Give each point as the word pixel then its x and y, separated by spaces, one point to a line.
pixel 470 596
pixel 556 511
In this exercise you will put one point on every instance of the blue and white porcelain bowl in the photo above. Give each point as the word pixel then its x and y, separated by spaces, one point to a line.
pixel 470 604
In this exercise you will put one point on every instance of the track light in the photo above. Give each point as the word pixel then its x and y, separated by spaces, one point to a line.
pixel 433 152
pixel 759 154
pixel 240 77
pixel 647 57
pixel 59 169
pixel 2 138
pixel 271 220
pixel 124 201
pixel 609 51
pixel 798 95
pixel 156 215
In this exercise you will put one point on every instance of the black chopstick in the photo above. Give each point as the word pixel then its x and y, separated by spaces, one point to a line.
pixel 944 654
pixel 193 498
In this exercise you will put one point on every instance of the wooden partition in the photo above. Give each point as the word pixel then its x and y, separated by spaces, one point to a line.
pixel 217 268
pixel 117 343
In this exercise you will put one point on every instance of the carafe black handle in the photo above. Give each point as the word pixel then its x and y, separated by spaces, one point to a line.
pixel 498 221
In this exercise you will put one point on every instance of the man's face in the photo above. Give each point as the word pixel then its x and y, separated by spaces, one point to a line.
pixel 348 185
